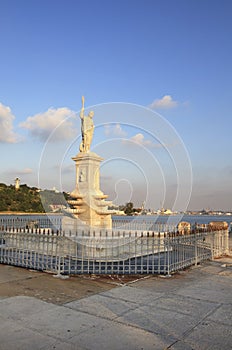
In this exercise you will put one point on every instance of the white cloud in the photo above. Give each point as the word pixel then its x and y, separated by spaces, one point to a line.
pixel 26 171
pixel 114 130
pixel 165 102
pixel 139 139
pixel 17 172
pixel 7 135
pixel 58 120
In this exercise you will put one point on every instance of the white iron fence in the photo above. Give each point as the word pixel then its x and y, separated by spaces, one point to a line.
pixel 108 252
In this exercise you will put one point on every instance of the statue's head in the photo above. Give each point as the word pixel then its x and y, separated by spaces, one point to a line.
pixel 91 114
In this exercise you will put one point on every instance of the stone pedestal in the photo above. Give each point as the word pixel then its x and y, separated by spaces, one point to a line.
pixel 88 201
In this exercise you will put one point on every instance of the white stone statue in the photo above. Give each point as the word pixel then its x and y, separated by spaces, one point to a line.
pixel 87 128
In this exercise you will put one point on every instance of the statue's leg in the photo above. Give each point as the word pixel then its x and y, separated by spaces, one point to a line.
pixel 86 142
pixel 83 145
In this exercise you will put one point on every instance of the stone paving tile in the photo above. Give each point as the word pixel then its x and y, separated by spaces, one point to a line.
pixel 223 314
pixel 163 284
pixel 184 305
pixel 212 288
pixel 114 336
pixel 102 306
pixel 214 269
pixel 134 295
pixel 15 337
pixel 180 345
pixel 53 320
pixel 210 335
pixel 163 322
pixel 19 307
pixel 61 323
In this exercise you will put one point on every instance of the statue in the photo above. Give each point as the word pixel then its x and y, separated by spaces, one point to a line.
pixel 87 128
pixel 82 175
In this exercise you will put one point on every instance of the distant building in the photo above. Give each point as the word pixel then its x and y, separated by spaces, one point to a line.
pixel 163 211
pixel 168 212
pixel 55 190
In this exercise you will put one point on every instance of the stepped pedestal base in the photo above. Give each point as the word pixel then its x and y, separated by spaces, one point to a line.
pixel 89 208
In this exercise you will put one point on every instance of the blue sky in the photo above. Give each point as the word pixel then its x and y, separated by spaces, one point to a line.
pixel 171 56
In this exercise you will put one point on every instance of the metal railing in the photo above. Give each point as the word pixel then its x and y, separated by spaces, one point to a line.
pixel 135 224
pixel 108 252
pixel 53 221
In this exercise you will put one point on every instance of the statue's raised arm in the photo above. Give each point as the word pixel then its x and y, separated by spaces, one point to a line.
pixel 87 128
pixel 83 103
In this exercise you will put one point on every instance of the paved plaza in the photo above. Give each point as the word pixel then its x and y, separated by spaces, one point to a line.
pixel 190 310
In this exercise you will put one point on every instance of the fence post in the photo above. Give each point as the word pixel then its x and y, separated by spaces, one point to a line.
pixel 168 240
pixel 226 241
pixel 195 245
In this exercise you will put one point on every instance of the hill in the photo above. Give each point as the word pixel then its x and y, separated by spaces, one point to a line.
pixel 29 199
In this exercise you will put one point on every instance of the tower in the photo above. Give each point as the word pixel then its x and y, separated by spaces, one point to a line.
pixel 17 183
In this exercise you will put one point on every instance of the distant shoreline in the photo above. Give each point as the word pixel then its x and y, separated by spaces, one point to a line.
pixel 123 216
pixel 26 213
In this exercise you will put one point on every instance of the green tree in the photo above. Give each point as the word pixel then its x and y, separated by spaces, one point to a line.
pixel 128 209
